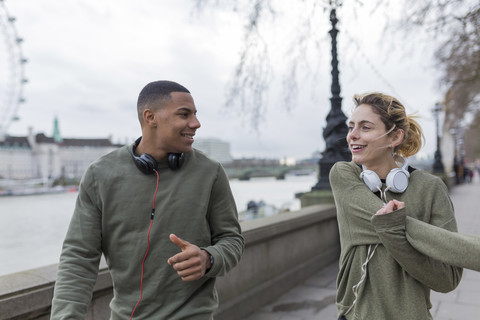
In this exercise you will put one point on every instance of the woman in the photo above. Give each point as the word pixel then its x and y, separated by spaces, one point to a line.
pixel 382 275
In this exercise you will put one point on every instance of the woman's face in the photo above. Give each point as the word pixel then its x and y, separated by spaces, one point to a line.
pixel 367 138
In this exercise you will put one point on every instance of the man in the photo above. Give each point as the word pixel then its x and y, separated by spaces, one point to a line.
pixel 163 215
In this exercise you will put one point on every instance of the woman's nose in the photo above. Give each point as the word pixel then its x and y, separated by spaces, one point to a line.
pixel 352 134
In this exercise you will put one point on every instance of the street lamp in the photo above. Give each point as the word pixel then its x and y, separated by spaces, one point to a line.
pixel 437 164
pixel 335 132
pixel 456 162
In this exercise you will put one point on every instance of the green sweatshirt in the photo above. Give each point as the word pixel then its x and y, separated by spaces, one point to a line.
pixel 112 216
pixel 399 276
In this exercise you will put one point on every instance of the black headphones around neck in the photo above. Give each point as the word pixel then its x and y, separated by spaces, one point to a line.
pixel 147 164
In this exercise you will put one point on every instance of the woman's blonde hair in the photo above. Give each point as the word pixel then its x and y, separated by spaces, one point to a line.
pixel 393 115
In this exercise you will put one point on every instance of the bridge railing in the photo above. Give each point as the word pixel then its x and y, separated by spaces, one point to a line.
pixel 281 251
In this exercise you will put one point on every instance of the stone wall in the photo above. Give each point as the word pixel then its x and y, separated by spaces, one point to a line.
pixel 281 251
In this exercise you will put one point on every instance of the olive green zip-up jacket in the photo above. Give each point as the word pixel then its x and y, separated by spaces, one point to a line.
pixel 112 216
pixel 418 247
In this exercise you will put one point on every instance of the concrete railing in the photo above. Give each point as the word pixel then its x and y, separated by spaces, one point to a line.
pixel 281 252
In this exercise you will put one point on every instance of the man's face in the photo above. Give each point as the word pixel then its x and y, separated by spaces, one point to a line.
pixel 176 124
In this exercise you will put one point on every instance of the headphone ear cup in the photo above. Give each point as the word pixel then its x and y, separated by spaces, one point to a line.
pixel 146 163
pixel 175 160
pixel 397 180
pixel 371 179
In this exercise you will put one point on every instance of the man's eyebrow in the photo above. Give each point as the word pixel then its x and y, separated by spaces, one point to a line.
pixel 186 109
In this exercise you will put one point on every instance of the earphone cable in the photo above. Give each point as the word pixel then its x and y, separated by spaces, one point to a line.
pixel 356 287
pixel 148 248
pixel 383 194
pixel 154 196
pixel 370 253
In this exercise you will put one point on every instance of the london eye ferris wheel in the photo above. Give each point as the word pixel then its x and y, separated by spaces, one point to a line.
pixel 12 71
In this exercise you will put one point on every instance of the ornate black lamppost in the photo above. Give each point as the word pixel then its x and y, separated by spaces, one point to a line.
pixel 336 130
pixel 437 164
pixel 456 162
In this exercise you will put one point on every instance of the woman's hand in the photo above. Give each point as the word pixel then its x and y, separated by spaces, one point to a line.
pixel 390 207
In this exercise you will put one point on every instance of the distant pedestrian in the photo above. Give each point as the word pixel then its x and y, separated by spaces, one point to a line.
pixel 397 225
pixel 468 174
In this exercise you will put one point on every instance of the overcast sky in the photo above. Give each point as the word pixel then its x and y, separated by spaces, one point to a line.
pixel 89 59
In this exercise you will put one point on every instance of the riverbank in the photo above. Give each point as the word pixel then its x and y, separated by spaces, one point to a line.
pixel 32 227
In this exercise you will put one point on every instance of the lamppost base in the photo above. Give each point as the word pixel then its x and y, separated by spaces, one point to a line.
pixel 332 156
pixel 437 164
pixel 316 197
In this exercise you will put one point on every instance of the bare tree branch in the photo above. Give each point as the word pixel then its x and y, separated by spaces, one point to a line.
pixel 253 72
pixel 455 26
pixel 248 89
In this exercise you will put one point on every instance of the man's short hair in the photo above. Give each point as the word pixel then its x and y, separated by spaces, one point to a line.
pixel 157 92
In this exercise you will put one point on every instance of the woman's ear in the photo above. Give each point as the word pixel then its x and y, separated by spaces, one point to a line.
pixel 397 137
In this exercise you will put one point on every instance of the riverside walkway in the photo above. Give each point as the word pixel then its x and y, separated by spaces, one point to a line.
pixel 315 298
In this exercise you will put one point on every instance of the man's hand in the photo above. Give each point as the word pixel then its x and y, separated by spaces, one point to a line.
pixel 390 207
pixel 191 263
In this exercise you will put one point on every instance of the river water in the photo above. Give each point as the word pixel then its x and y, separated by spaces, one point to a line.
pixel 32 227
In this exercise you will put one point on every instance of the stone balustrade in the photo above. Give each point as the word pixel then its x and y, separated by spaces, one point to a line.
pixel 280 252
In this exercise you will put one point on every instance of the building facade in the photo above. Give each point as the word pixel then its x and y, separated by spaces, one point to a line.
pixel 214 148
pixel 37 156
pixel 16 158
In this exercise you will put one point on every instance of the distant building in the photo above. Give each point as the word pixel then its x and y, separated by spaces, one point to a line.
pixel 37 156
pixel 16 158
pixel 215 149
pixel 313 160
pixel 254 162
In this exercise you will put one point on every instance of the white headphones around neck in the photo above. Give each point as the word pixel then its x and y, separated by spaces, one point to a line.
pixel 397 179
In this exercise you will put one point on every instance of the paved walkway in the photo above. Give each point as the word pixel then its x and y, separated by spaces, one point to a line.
pixel 315 298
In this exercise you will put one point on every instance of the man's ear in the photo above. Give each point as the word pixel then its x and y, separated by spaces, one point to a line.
pixel 149 117
pixel 398 137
